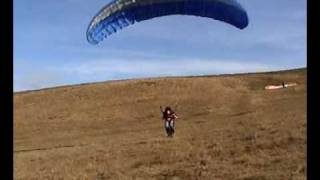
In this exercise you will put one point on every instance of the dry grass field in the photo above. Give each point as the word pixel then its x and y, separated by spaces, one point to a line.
pixel 229 127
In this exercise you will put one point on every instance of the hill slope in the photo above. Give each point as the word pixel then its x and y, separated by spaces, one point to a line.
pixel 229 128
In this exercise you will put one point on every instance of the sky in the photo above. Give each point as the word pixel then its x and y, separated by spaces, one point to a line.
pixel 51 49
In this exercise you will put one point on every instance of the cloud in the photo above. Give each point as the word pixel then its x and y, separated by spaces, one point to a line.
pixel 107 69
pixel 152 66
pixel 38 79
pixel 111 69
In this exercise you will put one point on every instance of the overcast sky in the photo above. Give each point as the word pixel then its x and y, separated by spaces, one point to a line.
pixel 50 46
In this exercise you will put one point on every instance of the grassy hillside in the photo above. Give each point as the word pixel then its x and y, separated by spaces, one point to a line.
pixel 229 128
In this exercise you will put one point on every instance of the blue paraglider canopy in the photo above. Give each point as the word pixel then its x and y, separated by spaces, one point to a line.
pixel 121 13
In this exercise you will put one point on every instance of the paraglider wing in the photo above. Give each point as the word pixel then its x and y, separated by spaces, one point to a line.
pixel 121 13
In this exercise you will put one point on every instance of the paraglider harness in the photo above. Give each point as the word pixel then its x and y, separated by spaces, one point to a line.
pixel 169 120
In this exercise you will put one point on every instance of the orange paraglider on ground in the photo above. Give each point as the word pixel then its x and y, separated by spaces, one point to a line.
pixel 283 85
